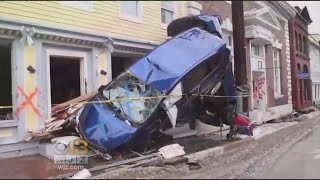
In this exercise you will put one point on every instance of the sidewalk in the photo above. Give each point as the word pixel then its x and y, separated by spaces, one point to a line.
pixel 26 167
pixel 37 167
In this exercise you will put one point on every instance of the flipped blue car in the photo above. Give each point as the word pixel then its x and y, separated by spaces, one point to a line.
pixel 165 89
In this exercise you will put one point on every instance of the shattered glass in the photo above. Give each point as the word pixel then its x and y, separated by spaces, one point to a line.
pixel 136 100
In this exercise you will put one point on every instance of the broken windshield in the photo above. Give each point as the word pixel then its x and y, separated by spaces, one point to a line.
pixel 133 93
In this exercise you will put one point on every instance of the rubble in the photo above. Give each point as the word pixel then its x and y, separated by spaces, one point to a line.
pixel 171 151
pixel 63 121
pixel 83 174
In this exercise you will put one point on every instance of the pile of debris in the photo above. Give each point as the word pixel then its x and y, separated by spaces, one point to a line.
pixel 63 119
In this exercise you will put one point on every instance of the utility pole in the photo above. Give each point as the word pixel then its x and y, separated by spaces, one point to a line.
pixel 240 63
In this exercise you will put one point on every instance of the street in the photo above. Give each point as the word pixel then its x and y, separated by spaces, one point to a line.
pixel 301 161
pixel 288 153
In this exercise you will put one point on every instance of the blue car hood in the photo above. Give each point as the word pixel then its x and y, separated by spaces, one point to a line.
pixel 99 126
pixel 167 64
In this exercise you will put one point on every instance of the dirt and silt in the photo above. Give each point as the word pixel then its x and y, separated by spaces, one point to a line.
pixel 248 161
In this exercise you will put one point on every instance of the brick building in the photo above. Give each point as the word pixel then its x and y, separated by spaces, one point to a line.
pixel 300 61
pixel 268 53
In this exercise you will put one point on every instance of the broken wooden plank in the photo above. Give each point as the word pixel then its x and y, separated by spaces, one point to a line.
pixel 59 124
pixel 75 108
pixel 61 114
pixel 44 133
pixel 53 124
pixel 51 119
pixel 73 101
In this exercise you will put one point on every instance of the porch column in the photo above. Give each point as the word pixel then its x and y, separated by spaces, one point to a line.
pixel 104 65
pixel 30 87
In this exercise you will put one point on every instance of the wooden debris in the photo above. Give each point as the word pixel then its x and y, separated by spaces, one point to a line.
pixel 51 119
pixel 72 101
pixel 63 115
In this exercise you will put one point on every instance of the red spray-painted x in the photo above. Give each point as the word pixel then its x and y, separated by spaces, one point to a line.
pixel 28 101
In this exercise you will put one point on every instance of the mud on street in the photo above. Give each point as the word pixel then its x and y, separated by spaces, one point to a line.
pixel 249 160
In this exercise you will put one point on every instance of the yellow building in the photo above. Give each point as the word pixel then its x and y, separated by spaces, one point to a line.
pixel 52 51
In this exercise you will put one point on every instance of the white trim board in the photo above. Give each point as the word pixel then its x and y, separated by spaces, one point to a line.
pixel 83 56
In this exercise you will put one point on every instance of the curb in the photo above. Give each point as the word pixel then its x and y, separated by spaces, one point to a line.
pixel 219 150
pixel 232 146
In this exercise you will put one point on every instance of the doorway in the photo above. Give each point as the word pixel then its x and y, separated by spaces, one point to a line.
pixel 64 78
pixel 121 64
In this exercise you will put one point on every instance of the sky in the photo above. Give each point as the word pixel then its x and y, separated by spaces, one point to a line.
pixel 314 12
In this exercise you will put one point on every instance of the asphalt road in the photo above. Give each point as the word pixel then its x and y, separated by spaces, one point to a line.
pixel 301 161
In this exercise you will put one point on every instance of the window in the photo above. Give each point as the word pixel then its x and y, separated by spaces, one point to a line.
pixel 276 67
pixel 275 54
pixel 167 11
pixel 306 84
pixel 297 42
pixel 318 91
pixel 304 45
pixel 130 10
pixel 315 94
pixel 300 43
pixel 83 5
pixel 256 50
pixel 6 78
pixel 230 41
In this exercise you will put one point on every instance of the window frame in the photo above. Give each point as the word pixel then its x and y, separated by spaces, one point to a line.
pixel 297 41
pixel 260 50
pixel 300 42
pixel 230 41
pixel 138 18
pixel 277 73
pixel 174 13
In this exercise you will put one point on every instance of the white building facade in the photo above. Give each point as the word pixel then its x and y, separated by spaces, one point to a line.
pixel 314 54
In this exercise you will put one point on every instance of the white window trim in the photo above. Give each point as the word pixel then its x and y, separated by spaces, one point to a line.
pixel 261 50
pixel 175 16
pixel 79 5
pixel 138 19
pixel 277 94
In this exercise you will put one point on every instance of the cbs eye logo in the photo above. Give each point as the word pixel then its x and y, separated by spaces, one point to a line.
pixel 76 147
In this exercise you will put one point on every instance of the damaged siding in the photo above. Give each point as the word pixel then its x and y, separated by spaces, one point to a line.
pixel 103 18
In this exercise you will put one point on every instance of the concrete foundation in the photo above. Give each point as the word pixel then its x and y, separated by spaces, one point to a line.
pixel 272 113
